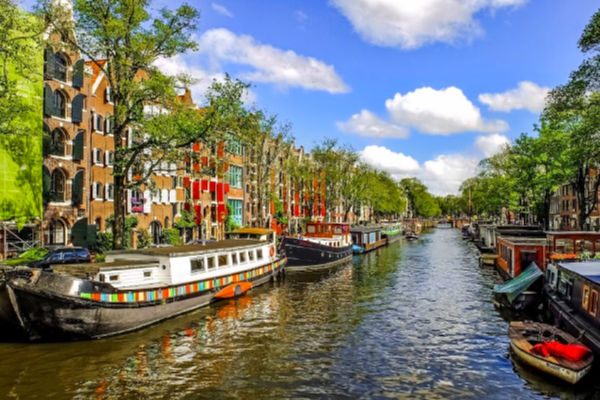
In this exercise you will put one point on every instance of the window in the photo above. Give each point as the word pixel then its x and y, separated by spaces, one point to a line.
pixel 57 142
pixel 259 254
pixel 113 278
pixel 57 185
pixel 210 263
pixel 109 158
pixel 236 210
pixel 234 259
pixel 233 145
pixel 593 309
pixel 243 257
pixel 97 155
pixel 251 255
pixel 60 65
pixel 197 264
pixel 235 176
pixel 110 191
pixel 108 123
pixel 585 297
pixel 60 104
pixel 97 190
pixel 108 95
pixel 223 260
pixel 98 122
pixel 147 274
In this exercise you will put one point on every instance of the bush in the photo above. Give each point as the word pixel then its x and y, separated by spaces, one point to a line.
pixel 99 258
pixel 171 236
pixel 30 255
pixel 104 242
pixel 143 238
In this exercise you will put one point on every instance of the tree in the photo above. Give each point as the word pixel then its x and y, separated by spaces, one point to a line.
pixel 421 202
pixel 131 40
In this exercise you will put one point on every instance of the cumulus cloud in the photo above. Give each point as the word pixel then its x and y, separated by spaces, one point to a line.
pixel 221 9
pixel 178 65
pixel 443 175
pixel 491 144
pixel 440 112
pixel 397 164
pixel 411 24
pixel 271 65
pixel 368 124
pixel 526 96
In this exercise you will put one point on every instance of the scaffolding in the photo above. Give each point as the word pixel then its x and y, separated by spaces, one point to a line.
pixel 14 241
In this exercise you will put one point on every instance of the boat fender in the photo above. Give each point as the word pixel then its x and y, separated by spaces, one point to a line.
pixel 272 251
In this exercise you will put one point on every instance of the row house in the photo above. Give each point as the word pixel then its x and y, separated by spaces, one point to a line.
pixel 66 159
pixel 565 210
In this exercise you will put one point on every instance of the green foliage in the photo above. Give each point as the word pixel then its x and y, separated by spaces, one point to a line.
pixel 279 214
pixel 143 238
pixel 230 224
pixel 28 256
pixel 171 236
pixel 103 242
pixel 187 220
pixel 420 200
pixel 99 258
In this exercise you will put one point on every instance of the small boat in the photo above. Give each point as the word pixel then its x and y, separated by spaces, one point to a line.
pixel 392 233
pixel 324 245
pixel 367 238
pixel 550 350
pixel 411 236
pixel 137 288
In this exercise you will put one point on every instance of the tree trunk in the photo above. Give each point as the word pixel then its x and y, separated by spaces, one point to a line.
pixel 119 212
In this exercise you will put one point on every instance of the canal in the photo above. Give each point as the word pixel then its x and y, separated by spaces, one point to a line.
pixel 413 320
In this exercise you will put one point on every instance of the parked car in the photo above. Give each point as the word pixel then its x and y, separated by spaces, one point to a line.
pixel 65 255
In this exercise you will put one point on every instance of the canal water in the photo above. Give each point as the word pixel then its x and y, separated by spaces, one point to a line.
pixel 412 320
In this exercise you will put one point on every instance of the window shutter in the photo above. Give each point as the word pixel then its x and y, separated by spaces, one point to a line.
pixel 79 232
pixel 78 145
pixel 49 67
pixel 77 109
pixel 78 73
pixel 48 100
pixel 77 191
pixel 46 183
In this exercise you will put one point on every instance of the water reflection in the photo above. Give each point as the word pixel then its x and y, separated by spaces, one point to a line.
pixel 413 320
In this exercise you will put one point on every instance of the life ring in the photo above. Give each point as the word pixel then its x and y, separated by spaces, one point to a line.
pixel 272 251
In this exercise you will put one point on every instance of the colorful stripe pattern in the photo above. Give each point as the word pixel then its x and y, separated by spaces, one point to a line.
pixel 181 290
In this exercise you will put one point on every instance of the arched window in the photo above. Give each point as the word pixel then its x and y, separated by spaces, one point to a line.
pixel 166 222
pixel 60 65
pixel 98 224
pixel 60 104
pixel 56 233
pixel 57 185
pixel 155 232
pixel 57 142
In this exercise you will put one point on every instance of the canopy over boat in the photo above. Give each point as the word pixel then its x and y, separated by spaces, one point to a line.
pixel 513 288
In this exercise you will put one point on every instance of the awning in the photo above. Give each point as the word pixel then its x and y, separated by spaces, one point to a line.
pixel 513 288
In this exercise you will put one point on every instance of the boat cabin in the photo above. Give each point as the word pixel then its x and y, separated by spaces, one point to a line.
pixel 268 235
pixel 516 253
pixel 367 237
pixel 578 285
pixel 573 245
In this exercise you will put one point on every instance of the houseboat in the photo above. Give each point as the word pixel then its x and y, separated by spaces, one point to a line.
pixel 392 233
pixel 137 288
pixel 366 238
pixel 572 294
pixel 515 253
pixel 573 244
pixel 323 245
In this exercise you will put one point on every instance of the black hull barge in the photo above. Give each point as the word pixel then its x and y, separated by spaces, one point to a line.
pixel 99 300
pixel 324 245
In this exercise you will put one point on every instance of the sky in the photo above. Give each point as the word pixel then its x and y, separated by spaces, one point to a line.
pixel 421 88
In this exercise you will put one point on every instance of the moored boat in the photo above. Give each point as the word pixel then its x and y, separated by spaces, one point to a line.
pixel 411 236
pixel 392 233
pixel 323 245
pixel 550 350
pixel 137 288
pixel 366 238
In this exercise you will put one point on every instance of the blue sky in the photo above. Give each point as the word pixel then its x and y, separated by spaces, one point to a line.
pixel 421 88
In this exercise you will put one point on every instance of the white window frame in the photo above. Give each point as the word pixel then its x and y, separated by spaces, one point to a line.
pixel 97 154
pixel 109 188
pixel 108 158
pixel 95 195
pixel 97 127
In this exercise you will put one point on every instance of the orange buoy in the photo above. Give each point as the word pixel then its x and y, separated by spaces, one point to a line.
pixel 233 290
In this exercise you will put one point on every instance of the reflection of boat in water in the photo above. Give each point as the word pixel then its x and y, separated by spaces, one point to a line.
pixel 98 300
pixel 323 245
pixel 550 350
pixel 412 236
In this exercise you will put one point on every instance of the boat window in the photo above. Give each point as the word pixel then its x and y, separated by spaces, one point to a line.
pixel 337 230
pixel 310 229
pixel 197 264
pixel 222 260
pixel 564 246
pixel 113 278
pixel 243 257
pixel 234 258
pixel 594 303
pixel 101 278
pixel 259 254
pixel 251 255
pixel 210 262
pixel 147 274
pixel 585 297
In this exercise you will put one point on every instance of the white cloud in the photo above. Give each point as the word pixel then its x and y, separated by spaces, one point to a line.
pixel 440 112
pixel 444 174
pixel 178 65
pixel 397 164
pixel 300 16
pixel 272 65
pixel 368 124
pixel 411 24
pixel 527 96
pixel 491 144
pixel 221 9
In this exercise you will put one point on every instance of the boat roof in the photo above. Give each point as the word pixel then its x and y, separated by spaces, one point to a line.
pixel 80 270
pixel 193 248
pixel 253 231
pixel 572 233
pixel 524 240
pixel 365 228
pixel 588 269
